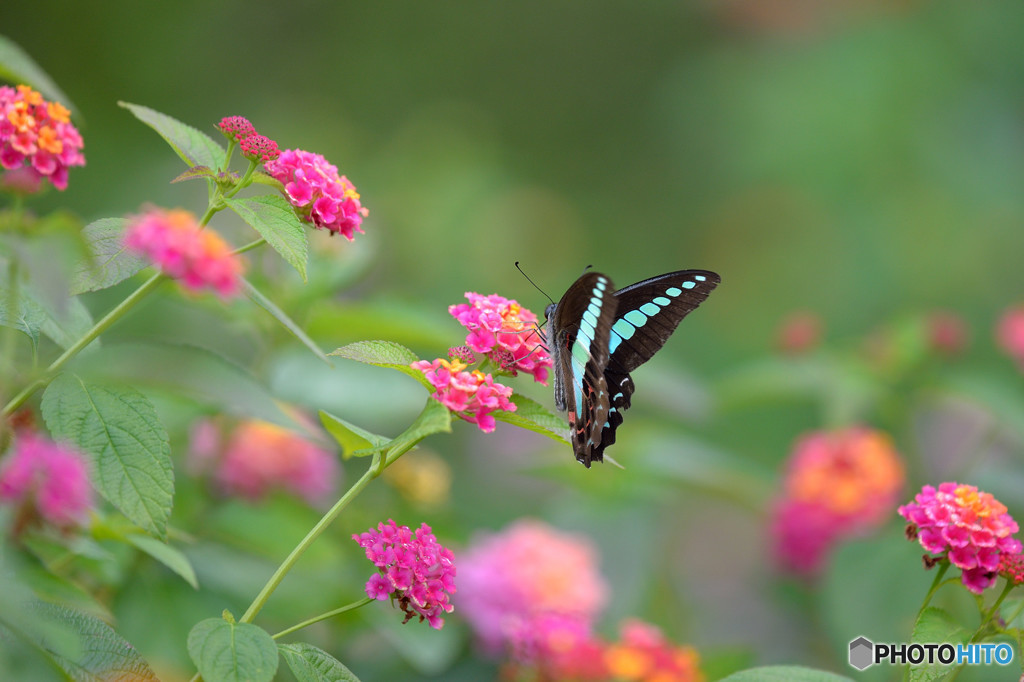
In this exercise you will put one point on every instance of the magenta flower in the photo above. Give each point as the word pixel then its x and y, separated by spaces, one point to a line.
pixel 970 528
pixel 50 478
pixel 320 195
pixel 513 581
pixel 259 148
pixel 260 457
pixel 838 484
pixel 236 127
pixel 413 568
pixel 174 241
pixel 39 134
pixel 505 332
pixel 470 395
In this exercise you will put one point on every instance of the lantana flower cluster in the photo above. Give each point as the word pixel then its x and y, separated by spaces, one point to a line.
pixel 838 484
pixel 175 242
pixel 505 332
pixel 258 457
pixel 969 527
pixel 255 147
pixel 414 569
pixel 534 594
pixel 321 196
pixel 37 139
pixel 473 396
pixel 48 479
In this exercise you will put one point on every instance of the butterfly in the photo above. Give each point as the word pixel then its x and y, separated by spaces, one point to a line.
pixel 597 336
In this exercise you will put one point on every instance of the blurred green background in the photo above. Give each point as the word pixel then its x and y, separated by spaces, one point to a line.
pixel 861 160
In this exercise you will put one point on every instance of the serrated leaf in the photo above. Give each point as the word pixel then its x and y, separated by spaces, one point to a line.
pixel 532 415
pixel 194 147
pixel 110 262
pixel 384 354
pixel 310 664
pixel 274 219
pixel 119 431
pixel 935 625
pixel 354 441
pixel 195 173
pixel 28 319
pixel 232 652
pixel 784 673
pixel 16 66
pixel 286 322
pixel 169 556
pixel 102 655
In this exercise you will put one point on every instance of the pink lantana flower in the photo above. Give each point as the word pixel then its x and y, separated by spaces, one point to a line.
pixel 511 581
pixel 413 568
pixel 259 457
pixel 38 134
pixel 643 654
pixel 505 332
pixel 838 484
pixel 319 194
pixel 259 148
pixel 1010 333
pixel 970 528
pixel 470 395
pixel 236 127
pixel 50 479
pixel 199 259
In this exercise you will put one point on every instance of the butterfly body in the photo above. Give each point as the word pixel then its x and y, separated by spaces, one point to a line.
pixel 597 336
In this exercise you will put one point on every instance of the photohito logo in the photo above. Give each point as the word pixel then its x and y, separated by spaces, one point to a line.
pixel 865 653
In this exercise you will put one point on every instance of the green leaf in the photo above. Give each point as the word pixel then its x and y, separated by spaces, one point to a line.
pixel 28 320
pixel 785 673
pixel 310 664
pixel 354 441
pixel 16 66
pixel 435 418
pixel 195 173
pixel 232 652
pixel 286 322
pixel 118 429
pixel 532 415
pixel 109 263
pixel 64 324
pixel 936 626
pixel 274 219
pixel 194 147
pixel 101 654
pixel 384 354
pixel 169 556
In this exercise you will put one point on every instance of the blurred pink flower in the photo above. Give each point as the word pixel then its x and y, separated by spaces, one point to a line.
pixel 971 528
pixel 557 648
pixel 947 333
pixel 260 457
pixel 39 134
pixel 173 240
pixel 1010 333
pixel 50 477
pixel 322 197
pixel 470 395
pixel 799 333
pixel 643 654
pixel 510 581
pixel 413 568
pixel 838 484
pixel 505 332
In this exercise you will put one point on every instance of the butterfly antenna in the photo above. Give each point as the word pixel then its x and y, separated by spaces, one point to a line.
pixel 532 282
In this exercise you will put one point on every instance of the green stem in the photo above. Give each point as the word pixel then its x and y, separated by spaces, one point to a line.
pixel 936 583
pixel 987 618
pixel 110 318
pixel 245 180
pixel 313 534
pixel 324 616
pixel 250 246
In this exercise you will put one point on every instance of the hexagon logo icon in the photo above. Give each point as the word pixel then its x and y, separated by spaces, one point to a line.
pixel 861 653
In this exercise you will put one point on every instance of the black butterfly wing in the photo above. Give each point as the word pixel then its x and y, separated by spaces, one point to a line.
pixel 646 315
pixel 579 331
